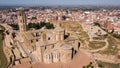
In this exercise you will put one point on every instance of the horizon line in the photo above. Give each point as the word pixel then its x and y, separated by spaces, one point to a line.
pixel 58 5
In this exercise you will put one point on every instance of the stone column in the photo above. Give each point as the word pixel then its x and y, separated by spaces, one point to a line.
pixel 47 57
pixel 56 56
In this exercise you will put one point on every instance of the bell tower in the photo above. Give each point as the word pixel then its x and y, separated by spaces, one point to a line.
pixel 21 19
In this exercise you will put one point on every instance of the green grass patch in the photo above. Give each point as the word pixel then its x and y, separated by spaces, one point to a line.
pixel 107 65
pixel 112 48
pixel 3 60
pixel 77 28
pixel 96 44
pixel 100 37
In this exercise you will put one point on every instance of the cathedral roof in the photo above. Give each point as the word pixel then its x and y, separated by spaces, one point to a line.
pixel 66 46
pixel 59 29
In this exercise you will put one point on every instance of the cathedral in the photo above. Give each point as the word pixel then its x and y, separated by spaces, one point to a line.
pixel 44 45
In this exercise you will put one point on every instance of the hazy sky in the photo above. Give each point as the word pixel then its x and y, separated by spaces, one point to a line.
pixel 59 2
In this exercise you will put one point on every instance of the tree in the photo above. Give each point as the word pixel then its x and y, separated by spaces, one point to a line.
pixel 97 24
pixel 30 25
pixel 116 36
pixel 49 26
pixel 42 24
pixel 90 65
pixel 14 26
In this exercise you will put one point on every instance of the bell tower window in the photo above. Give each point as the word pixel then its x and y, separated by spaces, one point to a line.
pixel 20 14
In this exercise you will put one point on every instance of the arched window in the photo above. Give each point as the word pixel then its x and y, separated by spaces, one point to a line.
pixel 48 38
pixel 31 41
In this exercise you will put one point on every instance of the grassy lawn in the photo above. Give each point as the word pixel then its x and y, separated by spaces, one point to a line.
pixel 112 48
pixel 77 28
pixel 100 38
pixel 107 65
pixel 3 60
pixel 113 45
pixel 96 44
